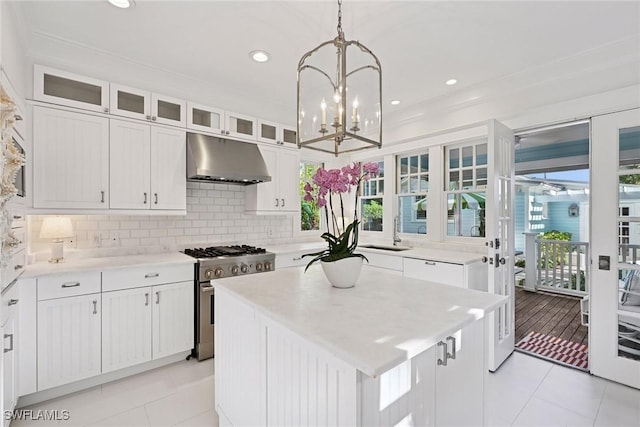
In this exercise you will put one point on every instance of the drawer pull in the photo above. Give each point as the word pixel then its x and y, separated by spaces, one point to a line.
pixel 10 336
pixel 150 275
pixel 146 298
pixel 70 284
pixel 445 353
pixel 95 306
pixel 18 266
pixel 17 217
pixel 429 263
pixel 12 302
pixel 158 297
pixel 452 355
pixel 297 258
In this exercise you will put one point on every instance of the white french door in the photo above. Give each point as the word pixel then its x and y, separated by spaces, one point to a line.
pixel 500 241
pixel 614 342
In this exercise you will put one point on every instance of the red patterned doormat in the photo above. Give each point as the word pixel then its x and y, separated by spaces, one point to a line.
pixel 555 350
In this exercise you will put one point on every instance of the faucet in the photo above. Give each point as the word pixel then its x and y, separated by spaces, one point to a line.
pixel 396 226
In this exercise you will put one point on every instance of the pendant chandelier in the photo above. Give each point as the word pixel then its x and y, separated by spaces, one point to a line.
pixel 339 96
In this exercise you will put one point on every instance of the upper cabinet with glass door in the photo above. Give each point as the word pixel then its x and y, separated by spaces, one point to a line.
pixel 276 133
pixel 219 122
pixel 144 105
pixel 73 90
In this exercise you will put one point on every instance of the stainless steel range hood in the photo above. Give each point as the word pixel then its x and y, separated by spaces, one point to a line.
pixel 224 160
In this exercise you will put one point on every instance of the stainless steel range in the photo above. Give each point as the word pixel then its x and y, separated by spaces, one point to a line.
pixel 217 262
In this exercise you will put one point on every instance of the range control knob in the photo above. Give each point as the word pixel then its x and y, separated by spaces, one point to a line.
pixel 208 273
pixel 244 268
pixel 219 272
pixel 267 266
pixel 234 270
pixel 258 266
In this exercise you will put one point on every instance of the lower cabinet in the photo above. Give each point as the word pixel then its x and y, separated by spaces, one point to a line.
pixel 68 340
pixel 9 313
pixel 470 276
pixel 143 324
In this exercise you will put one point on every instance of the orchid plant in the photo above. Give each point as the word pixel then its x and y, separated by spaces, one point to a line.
pixel 336 182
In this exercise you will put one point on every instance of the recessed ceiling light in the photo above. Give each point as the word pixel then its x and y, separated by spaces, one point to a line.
pixel 451 82
pixel 259 55
pixel 395 102
pixel 122 4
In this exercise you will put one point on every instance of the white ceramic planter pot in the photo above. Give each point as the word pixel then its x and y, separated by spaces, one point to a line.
pixel 343 273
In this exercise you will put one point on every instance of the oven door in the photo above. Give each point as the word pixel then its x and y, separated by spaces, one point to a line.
pixel 206 321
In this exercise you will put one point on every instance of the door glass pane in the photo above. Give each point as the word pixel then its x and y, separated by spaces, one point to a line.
pixel 72 89
pixel 201 117
pixel 130 102
pixel 289 136
pixel 242 126
pixel 629 242
pixel 268 131
pixel 629 337
pixel 629 148
pixel 169 110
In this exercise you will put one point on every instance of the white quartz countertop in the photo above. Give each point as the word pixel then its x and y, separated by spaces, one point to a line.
pixel 106 263
pixel 382 321
pixel 440 255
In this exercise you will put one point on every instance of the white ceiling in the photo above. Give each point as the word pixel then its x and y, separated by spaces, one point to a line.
pixel 547 51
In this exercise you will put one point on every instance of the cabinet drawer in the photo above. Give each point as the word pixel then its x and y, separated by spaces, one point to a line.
pixel 434 271
pixel 126 278
pixel 388 262
pixel 66 285
pixel 9 302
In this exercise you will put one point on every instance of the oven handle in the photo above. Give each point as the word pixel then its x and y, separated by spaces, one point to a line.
pixel 205 289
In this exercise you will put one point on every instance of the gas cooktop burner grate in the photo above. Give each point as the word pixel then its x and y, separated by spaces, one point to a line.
pixel 224 251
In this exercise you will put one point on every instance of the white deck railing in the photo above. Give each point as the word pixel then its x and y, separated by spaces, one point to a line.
pixel 560 266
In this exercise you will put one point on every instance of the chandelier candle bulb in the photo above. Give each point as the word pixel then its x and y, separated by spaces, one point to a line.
pixel 323 107
pixel 354 119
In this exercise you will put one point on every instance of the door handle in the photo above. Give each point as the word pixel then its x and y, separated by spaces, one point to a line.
pixel 13 302
pixel 10 336
pixel 452 355
pixel 150 275
pixel 102 196
pixel 277 203
pixel 282 203
pixel 156 198
pixel 145 198
pixel 429 263
pixel 158 297
pixel 146 299
pixel 445 353
pixel 95 306
pixel 70 284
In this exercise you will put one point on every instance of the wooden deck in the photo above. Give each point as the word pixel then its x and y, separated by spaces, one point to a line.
pixel 549 314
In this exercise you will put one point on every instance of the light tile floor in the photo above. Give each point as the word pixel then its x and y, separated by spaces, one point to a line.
pixel 524 392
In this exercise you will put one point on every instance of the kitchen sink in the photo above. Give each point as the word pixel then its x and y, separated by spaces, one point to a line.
pixel 385 248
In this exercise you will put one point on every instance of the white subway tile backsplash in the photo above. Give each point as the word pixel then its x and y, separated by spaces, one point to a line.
pixel 215 215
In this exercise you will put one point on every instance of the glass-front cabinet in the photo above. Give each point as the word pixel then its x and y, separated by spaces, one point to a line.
pixel 73 90
pixel 276 133
pixel 240 126
pixel 204 118
pixel 140 104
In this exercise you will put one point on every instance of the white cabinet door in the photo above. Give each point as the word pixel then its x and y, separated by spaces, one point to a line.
pixel 168 168
pixel 129 165
pixel 205 119
pixel 126 328
pixel 130 102
pixel 63 88
pixel 461 381
pixel 268 132
pixel 287 175
pixel 172 319
pixel 263 197
pixel 435 271
pixel 168 110
pixel 289 136
pixel 68 340
pixel 10 348
pixel 240 126
pixel 70 159
pixel 27 341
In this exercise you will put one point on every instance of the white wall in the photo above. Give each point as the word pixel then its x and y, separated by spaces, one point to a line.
pixel 12 57
pixel 215 215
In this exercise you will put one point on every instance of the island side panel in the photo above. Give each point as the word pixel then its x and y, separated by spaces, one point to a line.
pixel 240 380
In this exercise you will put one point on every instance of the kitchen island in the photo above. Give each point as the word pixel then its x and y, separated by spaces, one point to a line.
pixel 292 350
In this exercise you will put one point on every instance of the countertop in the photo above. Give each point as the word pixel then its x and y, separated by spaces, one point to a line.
pixel 106 263
pixel 384 320
pixel 440 255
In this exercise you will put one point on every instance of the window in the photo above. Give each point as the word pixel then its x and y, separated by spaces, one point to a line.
pixel 371 201
pixel 465 184
pixel 309 210
pixel 413 185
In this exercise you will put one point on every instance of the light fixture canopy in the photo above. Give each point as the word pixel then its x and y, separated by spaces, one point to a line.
pixel 339 99
pixel 122 4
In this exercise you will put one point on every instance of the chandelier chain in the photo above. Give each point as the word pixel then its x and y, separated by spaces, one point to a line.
pixel 339 16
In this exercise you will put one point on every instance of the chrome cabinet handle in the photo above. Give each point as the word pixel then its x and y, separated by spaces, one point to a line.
pixel 156 198
pixel 158 297
pixel 443 361
pixel 106 110
pixel 282 202
pixel 17 217
pixel 102 196
pixel 148 117
pixel 145 198
pixel 17 117
pixel 277 203
pixel 429 263
pixel 149 275
pixel 12 302
pixel 298 258
pixel 146 298
pixel 153 118
pixel 10 336
pixel 18 266
pixel 452 355
pixel 70 284
pixel 95 306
